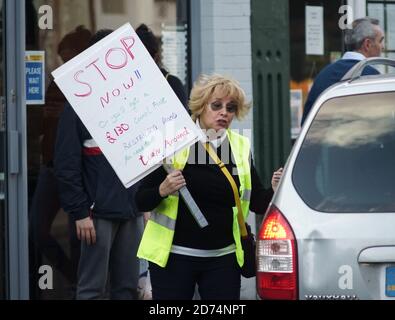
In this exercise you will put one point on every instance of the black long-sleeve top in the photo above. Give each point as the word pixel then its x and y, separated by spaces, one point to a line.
pixel 212 193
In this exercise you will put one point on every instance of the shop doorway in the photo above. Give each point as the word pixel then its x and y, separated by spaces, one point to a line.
pixel 53 244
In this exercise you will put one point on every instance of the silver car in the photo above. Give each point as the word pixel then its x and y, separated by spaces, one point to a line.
pixel 330 230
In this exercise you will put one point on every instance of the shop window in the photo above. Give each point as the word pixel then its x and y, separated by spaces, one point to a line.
pixel 384 11
pixel 113 7
pixel 51 232
pixel 308 59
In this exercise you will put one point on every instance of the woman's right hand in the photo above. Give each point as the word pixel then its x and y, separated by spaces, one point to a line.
pixel 173 182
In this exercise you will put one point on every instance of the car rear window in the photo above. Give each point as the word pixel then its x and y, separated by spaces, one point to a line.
pixel 347 159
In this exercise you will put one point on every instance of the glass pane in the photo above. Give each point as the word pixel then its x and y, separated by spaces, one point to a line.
pixel 52 233
pixel 305 67
pixel 384 11
pixel 347 158
pixel 2 160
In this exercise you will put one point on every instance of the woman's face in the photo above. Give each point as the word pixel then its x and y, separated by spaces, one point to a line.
pixel 219 112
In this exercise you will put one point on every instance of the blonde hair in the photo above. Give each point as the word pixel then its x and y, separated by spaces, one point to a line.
pixel 206 85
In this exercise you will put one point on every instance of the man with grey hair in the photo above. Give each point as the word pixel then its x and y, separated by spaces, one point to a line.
pixel 364 40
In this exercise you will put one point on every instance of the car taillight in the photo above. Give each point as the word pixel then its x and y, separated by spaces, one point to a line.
pixel 276 258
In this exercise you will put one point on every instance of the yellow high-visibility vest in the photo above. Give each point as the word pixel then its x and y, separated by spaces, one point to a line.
pixel 158 235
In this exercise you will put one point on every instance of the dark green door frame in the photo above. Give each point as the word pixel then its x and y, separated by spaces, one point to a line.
pixel 270 65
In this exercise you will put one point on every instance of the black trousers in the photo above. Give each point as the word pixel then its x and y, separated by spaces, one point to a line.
pixel 217 278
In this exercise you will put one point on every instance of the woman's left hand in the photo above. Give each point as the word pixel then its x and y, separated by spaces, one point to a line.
pixel 276 178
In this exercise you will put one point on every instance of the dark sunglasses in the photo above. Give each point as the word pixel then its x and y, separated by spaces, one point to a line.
pixel 230 107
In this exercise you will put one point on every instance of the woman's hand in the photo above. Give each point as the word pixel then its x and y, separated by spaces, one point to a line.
pixel 173 182
pixel 276 178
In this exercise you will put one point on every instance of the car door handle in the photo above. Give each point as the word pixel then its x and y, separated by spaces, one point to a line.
pixel 377 255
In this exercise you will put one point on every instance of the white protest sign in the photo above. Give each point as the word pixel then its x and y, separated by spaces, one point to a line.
pixel 126 104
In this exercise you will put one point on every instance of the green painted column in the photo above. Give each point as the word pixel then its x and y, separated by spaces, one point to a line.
pixel 271 69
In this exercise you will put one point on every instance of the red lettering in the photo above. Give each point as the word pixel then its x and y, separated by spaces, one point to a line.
pixel 116 92
pixel 128 86
pixel 141 158
pixel 110 139
pixel 113 66
pixel 179 136
pixel 127 46
pixel 154 153
pixel 84 83
pixel 97 68
pixel 119 130
pixel 105 99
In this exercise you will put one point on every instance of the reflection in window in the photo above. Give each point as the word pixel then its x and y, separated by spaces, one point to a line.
pixel 384 11
pixel 346 161
pixel 304 68
pixel 113 6
pixel 50 231
pixel 174 50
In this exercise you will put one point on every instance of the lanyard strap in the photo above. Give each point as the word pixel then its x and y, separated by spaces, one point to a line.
pixel 232 182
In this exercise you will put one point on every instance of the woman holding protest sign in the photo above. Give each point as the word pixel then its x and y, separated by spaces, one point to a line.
pixel 180 253
pixel 152 44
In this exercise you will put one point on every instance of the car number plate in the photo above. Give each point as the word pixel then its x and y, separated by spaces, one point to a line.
pixel 390 282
